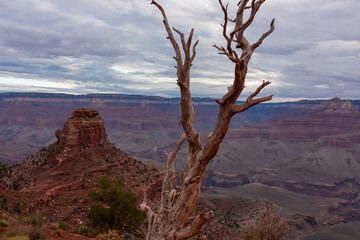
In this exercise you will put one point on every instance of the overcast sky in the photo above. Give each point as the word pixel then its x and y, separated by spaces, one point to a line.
pixel 120 46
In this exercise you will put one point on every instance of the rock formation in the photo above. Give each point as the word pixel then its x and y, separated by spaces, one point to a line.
pixel 84 128
pixel 57 179
pixel 336 106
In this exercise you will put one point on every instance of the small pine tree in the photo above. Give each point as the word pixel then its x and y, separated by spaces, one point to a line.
pixel 116 208
pixel 4 170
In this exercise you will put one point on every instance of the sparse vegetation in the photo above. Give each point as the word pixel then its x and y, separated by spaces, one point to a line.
pixel 24 231
pixel 111 235
pixel 60 225
pixel 58 233
pixel 3 170
pixel 270 227
pixel 83 231
pixel 16 185
pixel 17 208
pixel 3 223
pixel 3 203
pixel 23 227
pixel 36 220
pixel 19 237
pixel 116 208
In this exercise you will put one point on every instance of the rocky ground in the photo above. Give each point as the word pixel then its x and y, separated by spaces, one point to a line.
pixel 56 180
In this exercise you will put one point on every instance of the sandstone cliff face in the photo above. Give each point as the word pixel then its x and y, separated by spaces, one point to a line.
pixel 84 128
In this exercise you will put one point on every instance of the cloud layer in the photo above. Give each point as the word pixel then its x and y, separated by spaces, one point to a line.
pixel 119 46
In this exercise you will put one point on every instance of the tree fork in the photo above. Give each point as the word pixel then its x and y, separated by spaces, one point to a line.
pixel 177 205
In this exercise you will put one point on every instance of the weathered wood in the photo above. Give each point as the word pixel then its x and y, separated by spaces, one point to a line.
pixel 177 205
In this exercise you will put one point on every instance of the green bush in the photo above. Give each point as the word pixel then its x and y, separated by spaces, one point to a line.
pixel 116 208
pixel 4 170
pixel 60 225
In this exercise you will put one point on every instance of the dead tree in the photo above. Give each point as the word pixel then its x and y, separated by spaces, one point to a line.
pixel 172 221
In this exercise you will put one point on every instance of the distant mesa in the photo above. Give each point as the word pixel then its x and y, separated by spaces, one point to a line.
pixel 336 106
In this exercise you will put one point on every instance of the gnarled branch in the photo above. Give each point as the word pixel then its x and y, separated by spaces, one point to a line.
pixel 272 28
pixel 252 102
pixel 177 206
pixel 195 227
pixel 183 72
pixel 149 213
pixel 170 174
pixel 170 34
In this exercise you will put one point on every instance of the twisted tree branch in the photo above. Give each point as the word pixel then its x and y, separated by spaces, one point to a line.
pixel 252 102
pixel 195 227
pixel 272 28
pixel 170 174
pixel 183 73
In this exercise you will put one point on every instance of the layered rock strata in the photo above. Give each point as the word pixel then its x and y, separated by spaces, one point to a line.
pixel 84 129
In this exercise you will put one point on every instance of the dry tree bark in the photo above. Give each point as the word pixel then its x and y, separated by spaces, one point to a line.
pixel 170 222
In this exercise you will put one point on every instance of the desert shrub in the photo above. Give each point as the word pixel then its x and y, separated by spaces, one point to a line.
pixel 36 220
pixel 116 208
pixel 270 227
pixel 58 233
pixel 26 228
pixel 31 233
pixel 3 223
pixel 60 225
pixel 3 203
pixel 63 226
pixel 4 170
pixel 17 208
pixel 16 185
pixel 111 235
pixel 85 231
pixel 35 233
pixel 19 237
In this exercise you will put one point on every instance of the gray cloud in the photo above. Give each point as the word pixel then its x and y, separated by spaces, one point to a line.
pixel 121 46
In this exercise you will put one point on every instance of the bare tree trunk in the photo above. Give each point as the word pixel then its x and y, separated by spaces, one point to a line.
pixel 176 206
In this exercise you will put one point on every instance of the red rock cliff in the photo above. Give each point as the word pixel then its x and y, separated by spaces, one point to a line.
pixel 84 128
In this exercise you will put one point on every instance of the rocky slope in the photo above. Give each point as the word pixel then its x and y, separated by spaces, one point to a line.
pixel 56 180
